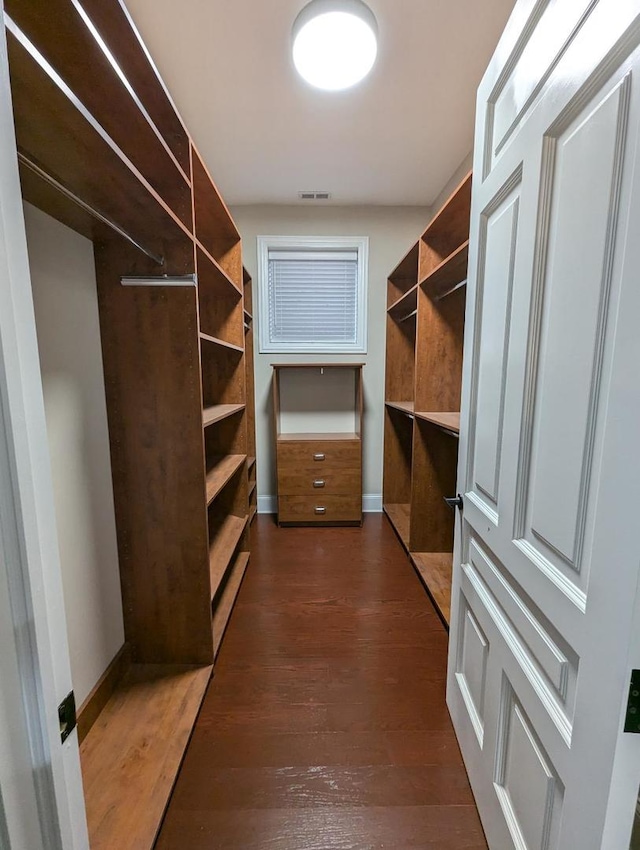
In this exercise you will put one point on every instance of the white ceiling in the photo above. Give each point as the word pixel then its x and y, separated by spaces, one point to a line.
pixel 266 135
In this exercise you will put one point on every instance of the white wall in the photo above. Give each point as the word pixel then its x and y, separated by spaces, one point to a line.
pixel 64 292
pixel 391 231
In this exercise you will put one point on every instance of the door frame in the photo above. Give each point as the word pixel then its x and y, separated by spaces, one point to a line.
pixel 41 799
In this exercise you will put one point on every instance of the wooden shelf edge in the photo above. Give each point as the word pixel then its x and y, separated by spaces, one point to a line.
pixel 449 422
pixel 253 510
pixel 252 487
pixel 213 340
pixel 250 462
pixel 435 571
pixel 150 716
pixel 216 265
pixel 218 412
pixel 222 549
pixel 318 365
pixel 409 259
pixel 221 474
pixel 325 436
pixel 222 613
pixel 406 407
pixel 205 168
pixel 103 138
pixel 405 300
pixel 442 279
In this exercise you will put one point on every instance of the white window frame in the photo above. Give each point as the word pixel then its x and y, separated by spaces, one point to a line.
pixel 360 244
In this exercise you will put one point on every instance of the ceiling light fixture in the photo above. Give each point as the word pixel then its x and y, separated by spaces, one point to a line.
pixel 335 43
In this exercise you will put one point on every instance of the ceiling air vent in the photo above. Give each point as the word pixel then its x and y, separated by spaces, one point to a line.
pixel 314 196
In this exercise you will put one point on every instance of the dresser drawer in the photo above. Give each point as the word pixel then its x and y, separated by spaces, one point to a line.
pixel 312 454
pixel 320 481
pixel 320 509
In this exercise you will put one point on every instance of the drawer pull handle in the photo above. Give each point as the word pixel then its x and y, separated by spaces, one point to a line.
pixel 320 510
pixel 319 483
pixel 318 456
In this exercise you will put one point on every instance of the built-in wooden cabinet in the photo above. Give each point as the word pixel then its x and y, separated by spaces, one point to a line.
pixel 102 149
pixel 319 471
pixel 425 328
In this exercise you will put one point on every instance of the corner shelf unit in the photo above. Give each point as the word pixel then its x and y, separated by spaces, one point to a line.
pixel 425 327
pixel 103 150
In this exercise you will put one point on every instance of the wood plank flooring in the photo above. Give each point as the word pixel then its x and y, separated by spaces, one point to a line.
pixel 325 726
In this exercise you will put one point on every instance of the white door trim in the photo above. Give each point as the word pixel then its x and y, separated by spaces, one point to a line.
pixel 40 779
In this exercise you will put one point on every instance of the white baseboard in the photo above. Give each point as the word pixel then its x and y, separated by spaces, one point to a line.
pixel 267 504
pixel 371 504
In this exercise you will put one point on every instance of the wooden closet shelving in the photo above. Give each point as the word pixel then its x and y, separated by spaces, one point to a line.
pixel 221 472
pixel 218 412
pixel 215 341
pixel 102 149
pixel 425 326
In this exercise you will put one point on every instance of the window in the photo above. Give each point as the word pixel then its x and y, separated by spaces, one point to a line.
pixel 312 294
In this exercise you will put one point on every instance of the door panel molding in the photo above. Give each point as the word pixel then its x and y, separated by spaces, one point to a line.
pixel 571 289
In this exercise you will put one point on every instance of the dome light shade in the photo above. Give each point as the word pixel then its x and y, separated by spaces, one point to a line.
pixel 335 43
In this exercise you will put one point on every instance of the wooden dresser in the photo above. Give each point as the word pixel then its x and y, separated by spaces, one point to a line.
pixel 319 473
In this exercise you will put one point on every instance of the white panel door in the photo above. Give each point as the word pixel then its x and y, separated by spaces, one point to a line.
pixel 547 554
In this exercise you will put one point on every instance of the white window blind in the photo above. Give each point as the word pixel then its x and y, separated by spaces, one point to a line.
pixel 313 298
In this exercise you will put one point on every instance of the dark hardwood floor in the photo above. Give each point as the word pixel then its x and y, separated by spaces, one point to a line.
pixel 325 727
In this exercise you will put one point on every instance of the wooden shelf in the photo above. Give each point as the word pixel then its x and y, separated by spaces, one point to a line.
pixel 399 516
pixel 220 474
pixel 247 316
pixel 129 124
pixel 449 422
pixel 406 305
pixel 218 412
pixel 404 277
pixel 449 274
pixel 405 407
pixel 122 41
pixel 318 365
pixel 57 133
pixel 253 510
pixel 212 340
pixel 213 218
pixel 323 436
pixel 452 218
pixel 222 548
pixel 131 755
pixel 435 569
pixel 205 255
pixel 252 487
pixel 227 599
pixel 250 462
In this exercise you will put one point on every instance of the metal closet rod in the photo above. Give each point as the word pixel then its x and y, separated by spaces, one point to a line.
pixel 60 187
